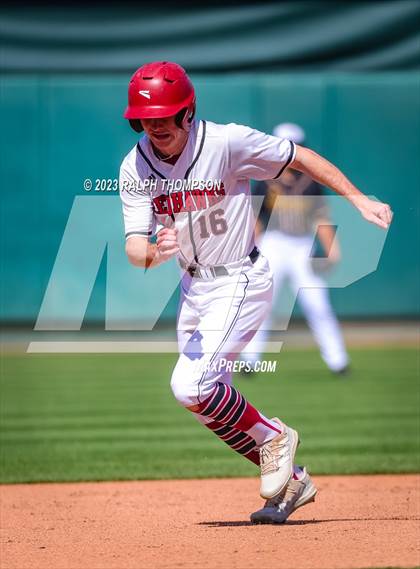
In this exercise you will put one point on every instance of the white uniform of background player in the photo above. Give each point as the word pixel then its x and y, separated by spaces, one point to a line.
pixel 296 206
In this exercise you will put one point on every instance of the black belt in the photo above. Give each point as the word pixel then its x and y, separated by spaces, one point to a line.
pixel 218 270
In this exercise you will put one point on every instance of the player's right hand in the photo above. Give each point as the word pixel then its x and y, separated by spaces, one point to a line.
pixel 376 212
pixel 167 243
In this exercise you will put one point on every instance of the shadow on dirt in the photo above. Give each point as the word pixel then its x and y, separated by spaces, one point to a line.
pixel 219 524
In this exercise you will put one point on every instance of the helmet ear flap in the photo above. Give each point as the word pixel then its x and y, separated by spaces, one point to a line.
pixel 179 117
pixel 191 112
pixel 136 125
pixel 184 117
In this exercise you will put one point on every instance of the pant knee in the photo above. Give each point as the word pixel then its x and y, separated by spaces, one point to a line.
pixel 184 387
pixel 192 383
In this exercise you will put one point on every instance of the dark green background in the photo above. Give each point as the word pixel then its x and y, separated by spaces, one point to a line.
pixel 57 131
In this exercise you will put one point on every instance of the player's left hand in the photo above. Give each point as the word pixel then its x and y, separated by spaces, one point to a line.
pixel 167 243
pixel 376 212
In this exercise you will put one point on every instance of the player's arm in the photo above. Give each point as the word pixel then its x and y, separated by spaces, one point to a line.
pixel 263 215
pixel 142 253
pixel 259 229
pixel 139 221
pixel 329 242
pixel 321 170
pixel 324 227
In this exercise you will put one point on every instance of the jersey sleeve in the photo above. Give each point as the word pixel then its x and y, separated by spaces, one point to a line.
pixel 256 155
pixel 136 204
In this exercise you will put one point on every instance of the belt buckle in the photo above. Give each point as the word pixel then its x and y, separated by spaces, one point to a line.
pixel 207 273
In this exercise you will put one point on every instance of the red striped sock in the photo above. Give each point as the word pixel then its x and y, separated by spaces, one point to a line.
pixel 243 444
pixel 228 407
pixel 237 440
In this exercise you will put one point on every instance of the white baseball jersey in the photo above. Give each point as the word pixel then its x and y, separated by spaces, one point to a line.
pixel 206 194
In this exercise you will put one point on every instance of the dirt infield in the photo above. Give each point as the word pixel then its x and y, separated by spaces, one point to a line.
pixel 356 522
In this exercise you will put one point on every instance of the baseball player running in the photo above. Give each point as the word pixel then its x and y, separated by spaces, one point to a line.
pixel 293 207
pixel 187 181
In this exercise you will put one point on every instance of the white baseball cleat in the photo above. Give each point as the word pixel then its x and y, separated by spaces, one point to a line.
pixel 277 510
pixel 276 461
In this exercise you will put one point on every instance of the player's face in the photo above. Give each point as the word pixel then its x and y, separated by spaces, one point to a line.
pixel 165 135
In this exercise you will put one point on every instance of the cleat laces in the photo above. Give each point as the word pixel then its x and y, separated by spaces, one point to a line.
pixel 273 454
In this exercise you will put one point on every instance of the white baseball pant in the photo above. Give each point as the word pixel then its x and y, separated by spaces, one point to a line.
pixel 289 257
pixel 216 319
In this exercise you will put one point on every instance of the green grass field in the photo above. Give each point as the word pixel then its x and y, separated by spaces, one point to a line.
pixel 108 417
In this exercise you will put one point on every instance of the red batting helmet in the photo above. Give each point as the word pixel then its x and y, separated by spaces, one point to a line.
pixel 158 90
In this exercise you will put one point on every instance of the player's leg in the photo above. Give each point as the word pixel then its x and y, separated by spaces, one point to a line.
pixel 298 491
pixel 246 430
pixel 201 380
pixel 224 410
pixel 277 256
pixel 313 297
pixel 188 321
pixel 225 324
pixel 238 441
pixel 324 326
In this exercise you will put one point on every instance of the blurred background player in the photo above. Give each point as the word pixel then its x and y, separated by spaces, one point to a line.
pixel 292 209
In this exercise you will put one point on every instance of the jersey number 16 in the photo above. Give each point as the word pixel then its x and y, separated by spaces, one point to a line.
pixel 217 223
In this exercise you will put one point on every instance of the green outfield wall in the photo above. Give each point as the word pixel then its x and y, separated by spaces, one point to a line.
pixel 58 130
pixel 211 36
